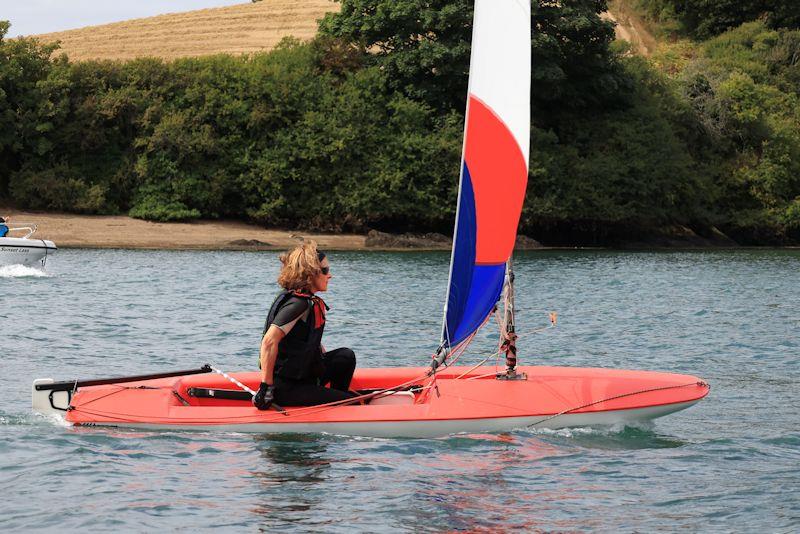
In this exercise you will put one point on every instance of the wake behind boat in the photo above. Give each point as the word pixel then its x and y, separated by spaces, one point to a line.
pixel 24 250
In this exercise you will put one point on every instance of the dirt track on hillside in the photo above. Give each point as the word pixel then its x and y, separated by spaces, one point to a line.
pixel 629 27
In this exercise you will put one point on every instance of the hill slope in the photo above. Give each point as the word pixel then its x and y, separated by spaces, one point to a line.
pixel 240 29
pixel 234 29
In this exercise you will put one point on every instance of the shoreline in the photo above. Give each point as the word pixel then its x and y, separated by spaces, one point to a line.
pixel 68 230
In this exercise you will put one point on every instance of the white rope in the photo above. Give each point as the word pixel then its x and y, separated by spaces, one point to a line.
pixel 223 373
pixel 615 397
pixel 465 373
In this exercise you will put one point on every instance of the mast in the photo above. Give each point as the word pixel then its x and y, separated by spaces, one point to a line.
pixel 508 333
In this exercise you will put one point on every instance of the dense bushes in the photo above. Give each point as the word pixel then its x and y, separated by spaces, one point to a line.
pixel 744 89
pixel 624 166
pixel 274 137
pixel 424 47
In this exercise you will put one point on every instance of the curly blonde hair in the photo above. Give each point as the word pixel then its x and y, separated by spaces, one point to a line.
pixel 300 265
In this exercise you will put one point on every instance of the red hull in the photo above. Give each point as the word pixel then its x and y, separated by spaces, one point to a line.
pixel 550 397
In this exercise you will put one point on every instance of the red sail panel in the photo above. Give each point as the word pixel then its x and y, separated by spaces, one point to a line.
pixel 499 179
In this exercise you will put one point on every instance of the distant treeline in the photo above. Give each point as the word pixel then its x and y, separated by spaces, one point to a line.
pixel 362 128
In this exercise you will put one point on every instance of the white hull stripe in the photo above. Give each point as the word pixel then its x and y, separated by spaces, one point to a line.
pixel 430 429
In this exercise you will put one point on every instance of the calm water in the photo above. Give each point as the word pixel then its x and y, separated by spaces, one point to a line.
pixel 731 462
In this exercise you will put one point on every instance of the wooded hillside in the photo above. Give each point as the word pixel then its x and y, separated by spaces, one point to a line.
pixel 361 127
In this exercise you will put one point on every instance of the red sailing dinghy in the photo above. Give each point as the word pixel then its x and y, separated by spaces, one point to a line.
pixel 441 399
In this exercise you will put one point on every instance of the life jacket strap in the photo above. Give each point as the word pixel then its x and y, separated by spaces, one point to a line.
pixel 319 307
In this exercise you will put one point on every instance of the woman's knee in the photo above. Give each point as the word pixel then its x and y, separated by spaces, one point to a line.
pixel 344 356
pixel 348 354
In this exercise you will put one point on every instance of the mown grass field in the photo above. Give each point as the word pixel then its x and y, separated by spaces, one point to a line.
pixel 238 29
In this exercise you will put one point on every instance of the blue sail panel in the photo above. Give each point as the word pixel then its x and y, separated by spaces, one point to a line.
pixel 474 289
pixel 487 284
pixel 463 259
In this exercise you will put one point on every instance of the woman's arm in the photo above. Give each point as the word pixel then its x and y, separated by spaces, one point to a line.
pixel 269 353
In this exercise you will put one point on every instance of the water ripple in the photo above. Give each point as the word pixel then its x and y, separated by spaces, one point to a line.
pixel 730 463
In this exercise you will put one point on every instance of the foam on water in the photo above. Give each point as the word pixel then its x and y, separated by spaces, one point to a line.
pixel 608 430
pixel 55 420
pixel 22 271
pixel 34 419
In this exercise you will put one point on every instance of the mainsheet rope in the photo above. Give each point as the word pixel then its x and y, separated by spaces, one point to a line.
pixel 231 379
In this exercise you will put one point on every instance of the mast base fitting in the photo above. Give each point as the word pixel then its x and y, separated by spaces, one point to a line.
pixel 511 374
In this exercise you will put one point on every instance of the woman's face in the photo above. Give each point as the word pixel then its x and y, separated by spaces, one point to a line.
pixel 320 281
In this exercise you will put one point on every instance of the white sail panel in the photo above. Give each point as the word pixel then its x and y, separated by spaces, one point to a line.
pixel 500 71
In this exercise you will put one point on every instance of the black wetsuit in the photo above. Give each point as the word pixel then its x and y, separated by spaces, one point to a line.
pixel 301 369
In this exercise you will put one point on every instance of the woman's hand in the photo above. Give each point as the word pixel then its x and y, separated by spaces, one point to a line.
pixel 264 396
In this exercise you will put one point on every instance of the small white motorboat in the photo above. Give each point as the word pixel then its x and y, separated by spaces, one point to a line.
pixel 24 250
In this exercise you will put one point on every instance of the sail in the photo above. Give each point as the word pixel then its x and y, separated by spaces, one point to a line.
pixel 494 165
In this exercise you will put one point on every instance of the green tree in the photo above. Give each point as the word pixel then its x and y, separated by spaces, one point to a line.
pixel 424 47
pixel 744 92
pixel 23 64
pixel 618 172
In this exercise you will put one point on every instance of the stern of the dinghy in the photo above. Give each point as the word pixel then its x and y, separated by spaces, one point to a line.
pixel 48 402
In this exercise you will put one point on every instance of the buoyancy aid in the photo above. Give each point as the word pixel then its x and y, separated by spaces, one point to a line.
pixel 300 352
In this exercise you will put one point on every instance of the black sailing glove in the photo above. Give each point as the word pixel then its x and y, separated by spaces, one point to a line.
pixel 264 396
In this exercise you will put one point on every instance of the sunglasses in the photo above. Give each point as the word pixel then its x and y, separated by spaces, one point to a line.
pixel 325 270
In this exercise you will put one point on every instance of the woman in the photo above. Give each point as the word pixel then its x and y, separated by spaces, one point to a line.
pixel 294 365
pixel 4 229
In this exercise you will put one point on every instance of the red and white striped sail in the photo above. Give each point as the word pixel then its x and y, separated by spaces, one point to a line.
pixel 494 170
